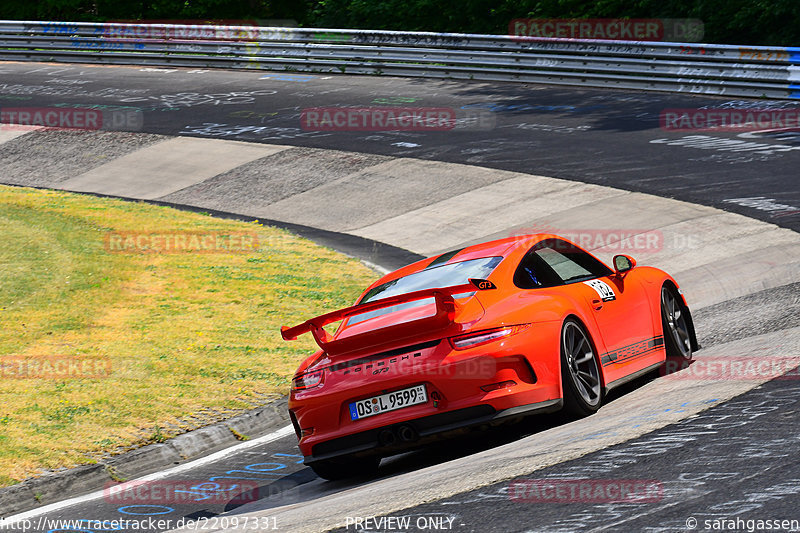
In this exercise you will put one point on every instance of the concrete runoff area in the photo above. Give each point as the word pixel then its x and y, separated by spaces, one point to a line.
pixel 377 193
pixel 166 167
pixel 48 158
pixel 247 188
pixel 487 210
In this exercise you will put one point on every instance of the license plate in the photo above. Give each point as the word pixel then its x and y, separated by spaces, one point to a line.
pixel 388 402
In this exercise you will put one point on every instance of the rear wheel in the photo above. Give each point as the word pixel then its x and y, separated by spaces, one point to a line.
pixel 346 467
pixel 580 373
pixel 677 339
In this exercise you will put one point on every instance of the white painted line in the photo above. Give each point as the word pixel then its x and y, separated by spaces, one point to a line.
pixel 275 435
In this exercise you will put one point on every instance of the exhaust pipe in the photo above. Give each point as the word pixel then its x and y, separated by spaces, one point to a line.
pixel 386 437
pixel 406 433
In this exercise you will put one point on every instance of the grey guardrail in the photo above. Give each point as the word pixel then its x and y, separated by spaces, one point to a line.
pixel 771 72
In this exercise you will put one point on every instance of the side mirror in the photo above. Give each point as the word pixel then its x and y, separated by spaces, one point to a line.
pixel 623 263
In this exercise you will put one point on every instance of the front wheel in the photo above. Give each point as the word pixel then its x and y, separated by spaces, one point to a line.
pixel 677 339
pixel 580 373
pixel 345 467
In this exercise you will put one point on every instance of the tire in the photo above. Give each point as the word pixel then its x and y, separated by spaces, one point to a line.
pixel 677 337
pixel 346 467
pixel 580 373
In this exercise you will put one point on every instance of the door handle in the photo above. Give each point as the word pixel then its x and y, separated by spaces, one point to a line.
pixel 597 304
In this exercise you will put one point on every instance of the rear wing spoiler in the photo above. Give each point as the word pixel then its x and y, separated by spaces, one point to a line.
pixel 445 312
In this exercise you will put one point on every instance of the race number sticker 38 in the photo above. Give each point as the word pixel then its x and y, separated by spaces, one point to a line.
pixel 603 289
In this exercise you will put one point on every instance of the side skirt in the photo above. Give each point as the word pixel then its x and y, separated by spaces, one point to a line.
pixel 625 379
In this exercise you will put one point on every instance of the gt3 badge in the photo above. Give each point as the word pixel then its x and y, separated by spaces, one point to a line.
pixel 482 284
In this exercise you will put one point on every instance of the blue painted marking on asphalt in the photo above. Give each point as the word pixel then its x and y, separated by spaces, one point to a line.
pixel 123 511
pixel 794 54
pixel 277 466
pixel 250 469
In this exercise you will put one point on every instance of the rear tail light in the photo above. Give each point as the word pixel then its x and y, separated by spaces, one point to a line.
pixel 470 340
pixel 308 381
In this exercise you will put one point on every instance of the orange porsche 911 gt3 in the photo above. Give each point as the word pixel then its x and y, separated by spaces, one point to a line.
pixel 494 331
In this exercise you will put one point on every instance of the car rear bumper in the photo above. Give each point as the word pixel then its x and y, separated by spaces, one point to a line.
pixel 423 430
pixel 464 387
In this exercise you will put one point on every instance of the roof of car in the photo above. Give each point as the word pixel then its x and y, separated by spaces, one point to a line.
pixel 499 247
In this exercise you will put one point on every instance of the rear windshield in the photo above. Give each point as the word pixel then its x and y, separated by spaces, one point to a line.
pixel 447 275
pixel 440 276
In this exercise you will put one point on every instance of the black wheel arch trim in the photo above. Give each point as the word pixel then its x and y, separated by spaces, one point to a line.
pixel 685 309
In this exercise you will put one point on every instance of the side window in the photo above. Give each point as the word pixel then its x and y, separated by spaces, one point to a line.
pixel 564 267
pixel 534 273
pixel 555 262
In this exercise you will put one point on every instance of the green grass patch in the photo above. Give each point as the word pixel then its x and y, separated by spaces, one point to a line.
pixel 190 338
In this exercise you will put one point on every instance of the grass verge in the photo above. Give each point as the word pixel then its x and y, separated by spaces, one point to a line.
pixel 185 338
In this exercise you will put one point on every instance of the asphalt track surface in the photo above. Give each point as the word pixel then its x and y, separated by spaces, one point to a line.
pixel 552 131
pixel 736 459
